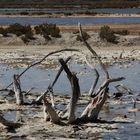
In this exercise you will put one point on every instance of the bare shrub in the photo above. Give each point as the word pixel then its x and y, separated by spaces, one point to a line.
pixel 107 34
pixel 85 34
pixel 48 30
pixel 18 29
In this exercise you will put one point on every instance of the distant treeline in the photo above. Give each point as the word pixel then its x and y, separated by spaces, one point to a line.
pixel 69 3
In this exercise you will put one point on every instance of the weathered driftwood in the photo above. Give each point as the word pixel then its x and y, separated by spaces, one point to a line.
pixel 134 102
pixel 50 87
pixel 17 90
pixel 75 92
pixel 49 112
pixel 8 123
pixel 44 58
pixel 123 89
pixel 99 97
pixel 91 112
pixel 28 92
pixel 92 89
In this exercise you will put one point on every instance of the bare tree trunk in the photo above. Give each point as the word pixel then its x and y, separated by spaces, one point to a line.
pixel 98 98
pixel 75 92
pixel 17 90
pixel 92 110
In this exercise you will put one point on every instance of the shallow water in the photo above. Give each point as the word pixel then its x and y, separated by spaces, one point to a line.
pixel 41 78
pixel 127 125
pixel 47 10
pixel 68 20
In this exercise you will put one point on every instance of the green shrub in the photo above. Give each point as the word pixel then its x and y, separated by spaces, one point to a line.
pixel 18 29
pixel 24 13
pixel 3 31
pixel 47 38
pixel 48 30
pixel 27 37
pixel 85 35
pixel 107 34
pixel 68 14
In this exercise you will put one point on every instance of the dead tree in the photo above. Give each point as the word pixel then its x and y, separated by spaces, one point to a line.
pixel 50 111
pixel 75 92
pixel 17 90
pixel 99 97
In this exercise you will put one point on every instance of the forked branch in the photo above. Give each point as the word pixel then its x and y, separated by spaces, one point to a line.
pixel 75 92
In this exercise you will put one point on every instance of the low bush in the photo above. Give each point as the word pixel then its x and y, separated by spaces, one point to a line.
pixel 48 30
pixel 24 13
pixel 47 38
pixel 85 35
pixel 27 37
pixel 3 31
pixel 107 34
pixel 68 14
pixel 18 29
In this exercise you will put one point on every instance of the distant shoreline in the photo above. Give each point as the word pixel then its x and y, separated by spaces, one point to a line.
pixel 73 15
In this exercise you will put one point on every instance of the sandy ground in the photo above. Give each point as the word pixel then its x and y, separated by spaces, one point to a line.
pixel 22 56
pixel 14 51
pixel 132 28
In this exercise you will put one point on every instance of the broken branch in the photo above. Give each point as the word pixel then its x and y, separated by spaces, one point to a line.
pixel 93 52
pixel 17 90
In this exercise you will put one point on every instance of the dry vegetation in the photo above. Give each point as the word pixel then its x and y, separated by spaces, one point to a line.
pixel 70 4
